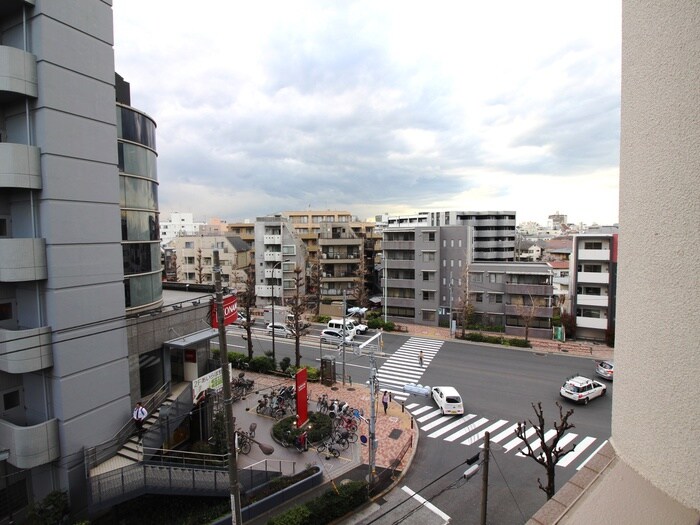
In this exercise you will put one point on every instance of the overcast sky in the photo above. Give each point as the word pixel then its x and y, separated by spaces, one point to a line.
pixel 379 106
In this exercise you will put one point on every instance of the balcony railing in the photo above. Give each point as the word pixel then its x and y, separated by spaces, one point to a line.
pixel 594 255
pixel 18 74
pixel 593 277
pixel 601 301
pixel 23 351
pixel 20 166
pixel 592 322
pixel 22 260
pixel 30 446
pixel 537 311
pixel 529 289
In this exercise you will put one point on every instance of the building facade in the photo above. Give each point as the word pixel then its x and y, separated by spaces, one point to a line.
pixel 593 273
pixel 63 341
pixel 189 259
pixel 178 224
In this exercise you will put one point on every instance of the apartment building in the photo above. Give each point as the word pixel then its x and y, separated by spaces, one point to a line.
pixel 516 296
pixel 593 274
pixel 424 253
pixel 68 271
pixel 189 259
pixel 178 224
pixel 278 251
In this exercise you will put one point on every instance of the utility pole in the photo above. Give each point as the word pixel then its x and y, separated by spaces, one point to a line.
pixel 485 477
pixel 372 416
pixel 345 309
pixel 234 489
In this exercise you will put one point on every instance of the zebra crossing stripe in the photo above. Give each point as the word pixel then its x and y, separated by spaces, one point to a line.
pixel 480 435
pixel 566 439
pixel 509 432
pixel 593 454
pixel 466 430
pixel 421 410
pixel 538 443
pixel 583 445
pixel 429 416
pixel 447 428
pixel 517 441
pixel 412 406
pixel 436 423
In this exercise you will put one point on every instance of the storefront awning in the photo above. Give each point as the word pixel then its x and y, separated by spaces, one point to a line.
pixel 192 339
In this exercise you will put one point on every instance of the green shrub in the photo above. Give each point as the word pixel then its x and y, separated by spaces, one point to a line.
pixel 323 319
pixel 521 343
pixel 262 364
pixel 284 364
pixel 236 356
pixel 298 515
pixel 320 427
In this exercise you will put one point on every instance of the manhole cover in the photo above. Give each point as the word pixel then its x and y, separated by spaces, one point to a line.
pixel 334 388
pixel 351 389
pixel 394 434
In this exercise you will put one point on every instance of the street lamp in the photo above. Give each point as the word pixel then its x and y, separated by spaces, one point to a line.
pixel 274 266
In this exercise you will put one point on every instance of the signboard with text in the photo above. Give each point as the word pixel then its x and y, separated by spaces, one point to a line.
pixel 213 380
pixel 302 398
pixel 230 311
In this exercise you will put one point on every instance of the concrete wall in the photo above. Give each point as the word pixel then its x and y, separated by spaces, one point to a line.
pixel 655 407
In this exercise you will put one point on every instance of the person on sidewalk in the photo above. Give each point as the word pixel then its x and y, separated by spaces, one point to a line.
pixel 385 401
pixel 140 415
pixel 420 358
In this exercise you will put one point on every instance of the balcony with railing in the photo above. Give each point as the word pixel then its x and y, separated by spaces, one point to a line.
pixel 272 256
pixel 600 301
pixel 19 166
pixel 23 351
pixel 30 446
pixel 592 322
pixel 18 76
pixel 272 239
pixel 22 259
pixel 593 255
pixel 536 311
pixel 593 277
pixel 399 245
pixel 529 289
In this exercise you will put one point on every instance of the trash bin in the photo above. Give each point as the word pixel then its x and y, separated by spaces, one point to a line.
pixel 328 370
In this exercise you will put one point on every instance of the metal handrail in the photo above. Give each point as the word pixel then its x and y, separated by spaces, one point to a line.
pixel 161 456
pixel 107 449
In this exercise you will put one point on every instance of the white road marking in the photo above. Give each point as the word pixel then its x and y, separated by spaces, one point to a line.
pixel 426 503
pixel 589 457
pixel 583 445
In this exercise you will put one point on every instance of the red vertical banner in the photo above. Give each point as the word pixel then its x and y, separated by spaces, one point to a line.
pixel 302 398
pixel 230 311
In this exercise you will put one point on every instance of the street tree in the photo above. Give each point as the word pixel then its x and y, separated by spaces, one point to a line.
pixel 297 307
pixel 467 309
pixel 551 453
pixel 246 298
pixel 313 282
pixel 527 313
pixel 199 267
pixel 359 293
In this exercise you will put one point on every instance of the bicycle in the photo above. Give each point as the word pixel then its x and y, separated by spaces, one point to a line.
pixel 322 404
pixel 329 447
pixel 345 423
pixel 244 445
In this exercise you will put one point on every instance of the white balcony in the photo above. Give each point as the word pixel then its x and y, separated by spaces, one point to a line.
pixel 263 290
pixel 18 75
pixel 23 351
pixel 592 322
pixel 19 166
pixel 271 273
pixel 30 446
pixel 22 260
pixel 272 256
pixel 593 277
pixel 601 301
pixel 272 239
pixel 594 255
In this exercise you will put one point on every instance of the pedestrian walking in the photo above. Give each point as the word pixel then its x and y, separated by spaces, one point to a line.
pixel 420 358
pixel 385 401
pixel 140 415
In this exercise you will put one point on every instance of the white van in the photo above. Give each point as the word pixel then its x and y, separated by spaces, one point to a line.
pixel 337 324
pixel 448 400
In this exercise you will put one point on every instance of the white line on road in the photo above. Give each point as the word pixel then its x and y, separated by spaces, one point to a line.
pixel 589 457
pixel 426 503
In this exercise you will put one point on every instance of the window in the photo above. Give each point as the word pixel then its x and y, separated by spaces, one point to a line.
pixel 430 237
pixel 593 245
pixel 189 245
pixel 495 277
pixel 428 256
pixel 4 227
pixel 428 315
pixel 428 296
pixel 452 243
pixel 10 400
pixel 495 299
pixel 475 277
pixel 5 311
pixel 460 243
pixel 479 297
pixel 289 249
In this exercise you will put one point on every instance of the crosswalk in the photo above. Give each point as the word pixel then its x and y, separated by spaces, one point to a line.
pixel 403 368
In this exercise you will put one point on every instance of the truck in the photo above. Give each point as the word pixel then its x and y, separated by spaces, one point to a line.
pixel 283 314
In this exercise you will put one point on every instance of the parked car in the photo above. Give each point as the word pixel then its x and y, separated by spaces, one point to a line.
pixel 448 400
pixel 581 389
pixel 334 336
pixel 337 324
pixel 605 369
pixel 359 327
pixel 280 330
pixel 241 320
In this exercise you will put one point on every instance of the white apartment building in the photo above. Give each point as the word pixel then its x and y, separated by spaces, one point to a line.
pixel 178 224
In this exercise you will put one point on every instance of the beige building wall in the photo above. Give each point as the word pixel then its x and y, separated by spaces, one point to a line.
pixel 656 407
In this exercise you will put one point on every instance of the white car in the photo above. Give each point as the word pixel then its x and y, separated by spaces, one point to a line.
pixel 581 389
pixel 448 400
pixel 280 330
pixel 333 336
pixel 359 327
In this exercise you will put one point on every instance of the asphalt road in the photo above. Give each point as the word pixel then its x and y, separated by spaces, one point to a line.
pixel 498 386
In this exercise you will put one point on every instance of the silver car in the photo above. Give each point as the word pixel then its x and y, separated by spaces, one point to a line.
pixel 605 369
